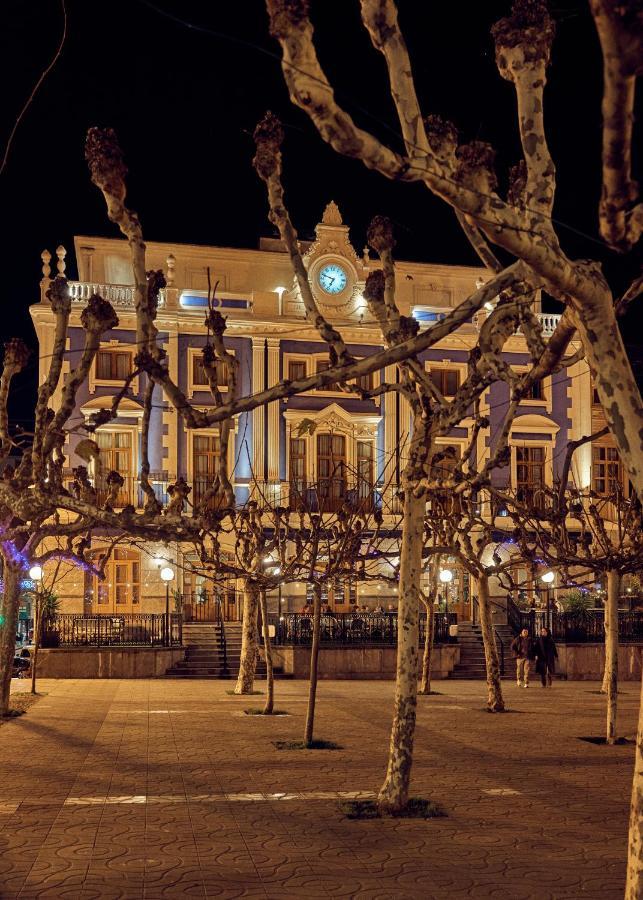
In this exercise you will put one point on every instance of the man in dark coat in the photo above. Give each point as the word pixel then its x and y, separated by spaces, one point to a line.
pixel 523 651
pixel 546 656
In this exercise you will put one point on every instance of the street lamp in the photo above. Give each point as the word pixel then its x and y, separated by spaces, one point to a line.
pixel 167 575
pixel 36 573
pixel 548 579
pixel 446 577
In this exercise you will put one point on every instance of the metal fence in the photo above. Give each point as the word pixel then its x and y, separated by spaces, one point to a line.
pixel 357 628
pixel 125 630
pixel 587 627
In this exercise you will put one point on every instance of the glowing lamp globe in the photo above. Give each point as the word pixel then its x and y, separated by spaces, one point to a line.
pixel 167 574
pixel 35 573
pixel 548 577
pixel 446 576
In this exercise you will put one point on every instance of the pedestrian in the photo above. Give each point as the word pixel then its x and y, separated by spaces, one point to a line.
pixel 522 647
pixel 546 656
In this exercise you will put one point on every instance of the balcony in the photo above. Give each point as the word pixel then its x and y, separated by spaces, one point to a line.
pixel 121 296
pixel 330 495
pixel 548 321
pixel 130 492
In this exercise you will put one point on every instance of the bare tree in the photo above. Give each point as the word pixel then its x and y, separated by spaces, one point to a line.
pixel 463 176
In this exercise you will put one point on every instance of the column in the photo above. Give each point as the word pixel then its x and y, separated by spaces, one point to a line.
pixel 273 414
pixel 170 415
pixel 258 414
pixel 388 473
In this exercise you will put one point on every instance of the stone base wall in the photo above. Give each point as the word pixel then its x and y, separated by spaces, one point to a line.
pixel 585 662
pixel 358 662
pixel 108 662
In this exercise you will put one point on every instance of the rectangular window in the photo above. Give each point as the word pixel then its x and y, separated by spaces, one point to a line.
pixel 530 474
pixel 536 391
pixel 365 382
pixel 331 469
pixel 364 472
pixel 115 456
pixel 447 381
pixel 200 379
pixel 320 366
pixel 113 365
pixel 297 471
pixel 296 369
pixel 206 450
pixel 607 473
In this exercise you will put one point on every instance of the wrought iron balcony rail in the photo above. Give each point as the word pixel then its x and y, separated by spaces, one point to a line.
pixel 357 628
pixel 117 630
pixel 328 495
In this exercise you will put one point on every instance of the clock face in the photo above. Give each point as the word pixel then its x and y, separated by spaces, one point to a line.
pixel 332 278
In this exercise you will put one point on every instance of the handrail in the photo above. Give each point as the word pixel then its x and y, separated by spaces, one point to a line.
pixel 224 643
pixel 498 640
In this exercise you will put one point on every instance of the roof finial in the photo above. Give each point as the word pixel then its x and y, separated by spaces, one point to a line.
pixel 332 215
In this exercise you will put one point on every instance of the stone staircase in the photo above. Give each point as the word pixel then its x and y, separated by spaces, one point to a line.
pixel 204 656
pixel 472 661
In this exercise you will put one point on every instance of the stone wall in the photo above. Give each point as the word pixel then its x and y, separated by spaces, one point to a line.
pixel 109 662
pixel 584 662
pixel 358 662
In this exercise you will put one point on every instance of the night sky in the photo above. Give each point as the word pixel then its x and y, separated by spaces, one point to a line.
pixel 184 103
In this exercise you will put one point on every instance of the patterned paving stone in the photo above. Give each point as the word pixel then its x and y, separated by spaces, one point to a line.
pixel 128 790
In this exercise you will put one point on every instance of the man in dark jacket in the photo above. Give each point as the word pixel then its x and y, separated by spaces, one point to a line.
pixel 523 651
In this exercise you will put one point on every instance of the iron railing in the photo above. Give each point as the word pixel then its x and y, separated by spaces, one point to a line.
pixel 124 630
pixel 357 628
pixel 212 606
pixel 328 495
pixel 586 627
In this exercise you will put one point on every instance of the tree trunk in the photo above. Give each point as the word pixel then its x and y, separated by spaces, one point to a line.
pixel 267 649
pixel 611 651
pixel 9 607
pixel 37 627
pixel 425 683
pixel 495 702
pixel 248 661
pixel 394 793
pixel 634 883
pixel 314 660
pixel 429 632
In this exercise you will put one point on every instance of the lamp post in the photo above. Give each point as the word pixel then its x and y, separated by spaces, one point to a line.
pixel 446 577
pixel 167 575
pixel 36 573
pixel 548 579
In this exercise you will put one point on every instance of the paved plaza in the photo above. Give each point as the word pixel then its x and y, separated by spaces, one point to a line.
pixel 164 789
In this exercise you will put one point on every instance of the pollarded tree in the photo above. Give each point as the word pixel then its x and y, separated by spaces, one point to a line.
pixel 463 175
pixel 581 533
pixel 433 416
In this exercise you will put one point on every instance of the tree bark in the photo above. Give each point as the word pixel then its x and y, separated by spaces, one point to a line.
pixel 394 793
pixel 634 882
pixel 425 683
pixel 37 627
pixel 314 661
pixel 9 621
pixel 248 661
pixel 495 701
pixel 429 633
pixel 267 648
pixel 611 651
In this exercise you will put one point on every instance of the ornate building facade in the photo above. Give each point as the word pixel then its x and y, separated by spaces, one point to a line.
pixel 268 333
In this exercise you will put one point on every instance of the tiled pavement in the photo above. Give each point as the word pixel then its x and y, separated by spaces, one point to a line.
pixel 157 789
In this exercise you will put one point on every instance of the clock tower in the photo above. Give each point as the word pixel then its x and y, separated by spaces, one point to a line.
pixel 335 271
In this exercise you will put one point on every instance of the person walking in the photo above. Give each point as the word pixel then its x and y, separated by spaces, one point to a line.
pixel 522 647
pixel 546 656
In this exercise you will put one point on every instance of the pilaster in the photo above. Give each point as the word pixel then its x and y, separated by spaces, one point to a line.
pixel 273 411
pixel 170 415
pixel 258 414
